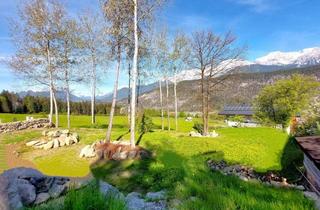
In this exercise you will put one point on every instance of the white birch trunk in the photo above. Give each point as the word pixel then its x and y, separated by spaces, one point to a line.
pixel 93 92
pixel 114 99
pixel 134 77
pixel 56 109
pixel 175 102
pixel 51 104
pixel 50 83
pixel 167 101
pixel 161 105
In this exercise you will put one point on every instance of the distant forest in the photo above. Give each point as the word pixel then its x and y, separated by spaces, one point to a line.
pixel 11 103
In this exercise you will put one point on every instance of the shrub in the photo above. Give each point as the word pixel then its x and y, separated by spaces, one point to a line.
pixel 182 114
pixel 146 124
pixel 198 127
pixel 152 112
pixel 237 118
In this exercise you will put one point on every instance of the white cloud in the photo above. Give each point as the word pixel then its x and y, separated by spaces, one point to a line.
pixel 256 5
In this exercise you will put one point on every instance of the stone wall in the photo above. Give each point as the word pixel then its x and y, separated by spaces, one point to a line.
pixel 22 125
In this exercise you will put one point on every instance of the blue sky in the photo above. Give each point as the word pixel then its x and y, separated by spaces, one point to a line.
pixel 262 25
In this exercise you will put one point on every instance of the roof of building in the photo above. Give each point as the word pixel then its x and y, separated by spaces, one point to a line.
pixel 237 110
pixel 311 147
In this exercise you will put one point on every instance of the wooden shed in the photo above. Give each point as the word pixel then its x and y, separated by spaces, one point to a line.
pixel 311 148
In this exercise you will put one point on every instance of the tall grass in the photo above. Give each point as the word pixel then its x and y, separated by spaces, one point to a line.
pixel 88 198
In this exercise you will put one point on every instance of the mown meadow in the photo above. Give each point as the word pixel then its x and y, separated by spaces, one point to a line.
pixel 178 163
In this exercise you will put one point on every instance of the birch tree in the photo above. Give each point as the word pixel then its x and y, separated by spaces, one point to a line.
pixel 144 11
pixel 160 50
pixel 93 47
pixel 213 56
pixel 69 58
pixel 178 59
pixel 119 16
pixel 36 35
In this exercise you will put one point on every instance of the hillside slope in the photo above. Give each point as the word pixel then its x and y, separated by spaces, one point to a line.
pixel 238 88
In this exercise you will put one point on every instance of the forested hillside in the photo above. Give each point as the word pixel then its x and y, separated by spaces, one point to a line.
pixel 238 88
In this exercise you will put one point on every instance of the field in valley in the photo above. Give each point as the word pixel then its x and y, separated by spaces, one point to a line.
pixel 178 164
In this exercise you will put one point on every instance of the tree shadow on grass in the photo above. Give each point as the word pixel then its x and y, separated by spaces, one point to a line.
pixel 291 159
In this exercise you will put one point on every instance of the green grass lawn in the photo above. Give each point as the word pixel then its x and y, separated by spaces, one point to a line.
pixel 179 163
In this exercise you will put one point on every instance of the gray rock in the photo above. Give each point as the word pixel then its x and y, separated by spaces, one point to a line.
pixel 65 132
pixel 153 196
pixel 44 133
pixel 27 191
pixel 120 155
pixel 41 198
pixel 132 154
pixel 48 145
pixel 107 190
pixel 299 187
pixel 62 140
pixel 69 140
pixel 54 134
pixel 314 197
pixel 31 143
pixel 56 143
pixel 4 198
pixel 56 190
pixel 161 205
pixel 134 201
pixel 243 178
pixel 22 172
pixel 87 152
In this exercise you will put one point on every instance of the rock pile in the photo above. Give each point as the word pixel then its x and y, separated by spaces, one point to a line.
pixel 117 150
pixel 22 187
pixel 247 173
pixel 54 139
pixel 212 134
pixel 21 125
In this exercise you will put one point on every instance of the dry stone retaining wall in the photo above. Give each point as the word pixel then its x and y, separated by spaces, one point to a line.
pixel 22 125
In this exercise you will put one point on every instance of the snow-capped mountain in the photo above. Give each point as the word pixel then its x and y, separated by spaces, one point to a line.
pixel 271 62
pixel 305 57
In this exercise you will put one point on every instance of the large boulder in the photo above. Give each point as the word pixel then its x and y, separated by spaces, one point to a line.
pixel 23 187
pixel 56 143
pixel 41 198
pixel 56 190
pixel 135 201
pixel 109 190
pixel 27 191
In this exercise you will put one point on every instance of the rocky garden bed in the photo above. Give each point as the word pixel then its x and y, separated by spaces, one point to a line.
pixel 22 125
pixel 247 174
pixel 212 134
pixel 54 139
pixel 25 187
pixel 117 150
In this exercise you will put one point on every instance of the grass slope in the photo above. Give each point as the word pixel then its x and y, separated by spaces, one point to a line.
pixel 179 163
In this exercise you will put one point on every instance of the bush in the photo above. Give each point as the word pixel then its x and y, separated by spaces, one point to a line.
pixel 237 118
pixel 198 127
pixel 152 112
pixel 182 114
pixel 146 124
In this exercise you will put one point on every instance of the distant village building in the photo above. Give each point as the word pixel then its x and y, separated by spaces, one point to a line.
pixel 246 111
pixel 238 110
pixel 311 149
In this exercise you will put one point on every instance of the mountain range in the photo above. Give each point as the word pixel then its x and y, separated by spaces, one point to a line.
pixel 274 61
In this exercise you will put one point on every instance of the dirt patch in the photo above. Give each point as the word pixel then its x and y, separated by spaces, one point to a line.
pixel 14 159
